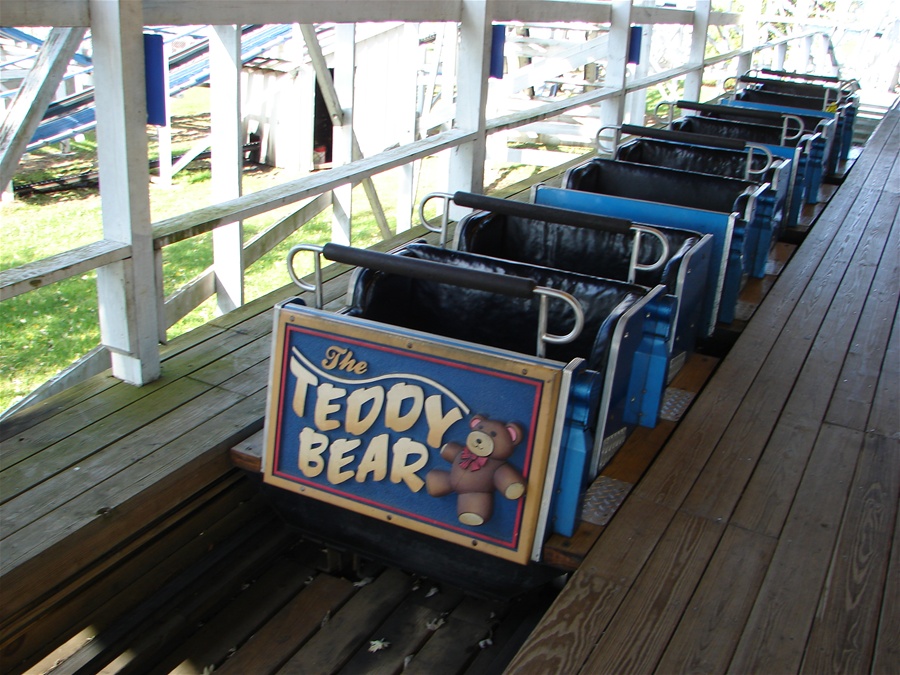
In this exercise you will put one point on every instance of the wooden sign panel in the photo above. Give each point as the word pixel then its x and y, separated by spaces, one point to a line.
pixel 449 439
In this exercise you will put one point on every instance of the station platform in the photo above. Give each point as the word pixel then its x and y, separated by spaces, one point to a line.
pixel 758 533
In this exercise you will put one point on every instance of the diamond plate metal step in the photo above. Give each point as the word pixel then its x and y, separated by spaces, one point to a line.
pixel 675 402
pixel 603 498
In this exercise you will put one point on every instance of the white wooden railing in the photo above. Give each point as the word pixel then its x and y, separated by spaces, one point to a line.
pixel 129 258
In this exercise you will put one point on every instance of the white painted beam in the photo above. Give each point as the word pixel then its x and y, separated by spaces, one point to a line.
pixel 185 226
pixel 564 61
pixel 129 321
pixel 473 67
pixel 342 139
pixel 227 161
pixel 34 95
pixel 693 81
pixel 336 113
pixel 25 278
pixel 197 12
pixel 612 110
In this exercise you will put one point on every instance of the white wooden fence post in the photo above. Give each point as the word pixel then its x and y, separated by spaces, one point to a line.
pixel 693 81
pixel 473 66
pixel 342 148
pixel 751 33
pixel 227 161
pixel 129 321
pixel 637 101
pixel 612 110
pixel 406 104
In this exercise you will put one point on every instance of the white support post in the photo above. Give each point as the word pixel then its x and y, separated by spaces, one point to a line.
pixel 780 54
pixel 473 67
pixel 304 93
pixel 693 81
pixel 342 146
pixel 406 106
pixel 750 33
pixel 129 321
pixel 227 161
pixel 637 101
pixel 612 110
pixel 164 133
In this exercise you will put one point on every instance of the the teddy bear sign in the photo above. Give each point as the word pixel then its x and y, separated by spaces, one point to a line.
pixel 479 468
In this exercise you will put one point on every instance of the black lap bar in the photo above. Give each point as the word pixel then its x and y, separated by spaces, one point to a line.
pixel 732 111
pixel 432 271
pixel 549 214
pixel 803 76
pixel 685 137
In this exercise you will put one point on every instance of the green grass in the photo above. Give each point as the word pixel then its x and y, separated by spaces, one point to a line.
pixel 44 331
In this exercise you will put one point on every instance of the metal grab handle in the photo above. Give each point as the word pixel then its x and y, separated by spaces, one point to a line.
pixel 755 147
pixel 807 140
pixel 617 137
pixel 545 338
pixel 750 210
pixel 317 271
pixel 636 248
pixel 445 216
pixel 786 126
pixel 670 115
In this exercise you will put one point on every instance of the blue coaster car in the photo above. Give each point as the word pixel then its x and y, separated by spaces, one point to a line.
pixel 420 427
pixel 807 150
pixel 813 92
pixel 820 130
pixel 610 248
pixel 703 154
pixel 750 203
pixel 833 121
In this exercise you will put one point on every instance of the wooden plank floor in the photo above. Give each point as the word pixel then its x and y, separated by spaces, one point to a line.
pixel 117 501
pixel 763 538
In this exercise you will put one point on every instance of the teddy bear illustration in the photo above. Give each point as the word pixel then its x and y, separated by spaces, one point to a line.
pixel 479 468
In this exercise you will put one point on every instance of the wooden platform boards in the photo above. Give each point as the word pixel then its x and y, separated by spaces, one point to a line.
pixel 756 533
pixel 764 537
pixel 107 488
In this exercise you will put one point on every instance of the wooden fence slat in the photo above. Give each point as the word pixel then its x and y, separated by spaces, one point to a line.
pixel 18 280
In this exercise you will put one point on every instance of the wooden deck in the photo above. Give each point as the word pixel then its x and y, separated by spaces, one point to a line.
pixel 761 537
pixel 764 537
